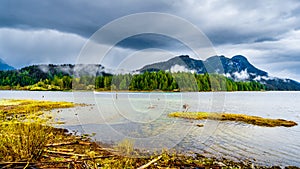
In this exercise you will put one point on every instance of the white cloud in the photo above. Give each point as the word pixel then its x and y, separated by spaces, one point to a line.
pixel 240 19
pixel 241 76
pixel 178 68
pixel 259 78
pixel 227 75
pixel 25 47
pixel 279 58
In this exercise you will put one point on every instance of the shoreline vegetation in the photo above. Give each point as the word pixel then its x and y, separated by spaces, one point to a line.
pixel 254 120
pixel 29 140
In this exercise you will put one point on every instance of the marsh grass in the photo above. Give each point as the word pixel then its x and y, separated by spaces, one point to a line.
pixel 24 129
pixel 125 147
pixel 23 141
pixel 17 107
pixel 254 120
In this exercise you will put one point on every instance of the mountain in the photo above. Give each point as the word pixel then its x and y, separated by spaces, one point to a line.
pixel 5 66
pixel 237 68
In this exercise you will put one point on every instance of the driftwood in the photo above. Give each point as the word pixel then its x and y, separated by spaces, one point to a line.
pixel 61 144
pixel 66 153
pixel 64 149
pixel 106 149
pixel 84 143
pixel 150 162
pixel 41 162
pixel 97 157
pixel 32 164
pixel 74 154
pixel 68 143
pixel 6 163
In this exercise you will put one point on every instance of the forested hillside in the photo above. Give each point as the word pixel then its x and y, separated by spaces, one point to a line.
pixel 34 76
pixel 167 81
pixel 54 77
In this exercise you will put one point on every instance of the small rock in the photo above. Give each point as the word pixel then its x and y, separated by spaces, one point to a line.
pixel 200 125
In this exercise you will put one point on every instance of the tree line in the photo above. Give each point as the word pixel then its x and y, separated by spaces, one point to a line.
pixel 167 81
pixel 32 78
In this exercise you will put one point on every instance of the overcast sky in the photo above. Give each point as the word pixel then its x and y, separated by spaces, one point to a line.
pixel 55 31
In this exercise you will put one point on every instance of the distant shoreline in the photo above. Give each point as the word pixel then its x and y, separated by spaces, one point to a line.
pixel 146 91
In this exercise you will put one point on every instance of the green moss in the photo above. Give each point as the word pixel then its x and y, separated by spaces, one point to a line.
pixel 255 120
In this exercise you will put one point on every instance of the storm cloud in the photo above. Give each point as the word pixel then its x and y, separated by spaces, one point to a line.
pixel 266 32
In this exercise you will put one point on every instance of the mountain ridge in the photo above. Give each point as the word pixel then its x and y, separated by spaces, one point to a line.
pixel 213 64
pixel 237 68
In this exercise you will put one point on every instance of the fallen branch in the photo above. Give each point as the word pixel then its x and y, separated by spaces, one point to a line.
pixel 97 157
pixel 84 143
pixel 5 163
pixel 41 162
pixel 63 149
pixel 106 149
pixel 151 162
pixel 61 144
pixel 65 153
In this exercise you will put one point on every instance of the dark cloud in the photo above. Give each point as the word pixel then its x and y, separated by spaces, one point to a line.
pixel 261 30
pixel 264 39
pixel 223 21
pixel 75 16
pixel 151 40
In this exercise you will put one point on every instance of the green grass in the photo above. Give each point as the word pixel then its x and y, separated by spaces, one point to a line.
pixel 255 120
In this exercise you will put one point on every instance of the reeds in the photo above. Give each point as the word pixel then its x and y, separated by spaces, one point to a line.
pixel 23 130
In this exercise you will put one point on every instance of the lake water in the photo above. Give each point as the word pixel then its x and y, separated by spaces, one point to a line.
pixel 142 118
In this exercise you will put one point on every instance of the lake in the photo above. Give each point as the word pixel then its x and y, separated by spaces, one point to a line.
pixel 142 118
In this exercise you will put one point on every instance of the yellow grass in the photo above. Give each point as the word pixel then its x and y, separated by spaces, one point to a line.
pixel 23 131
pixel 8 107
pixel 255 120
